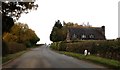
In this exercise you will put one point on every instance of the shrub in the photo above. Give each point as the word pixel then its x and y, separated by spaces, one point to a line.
pixel 62 46
pixel 53 46
pixel 14 47
pixel 103 48
pixel 28 44
pixel 4 48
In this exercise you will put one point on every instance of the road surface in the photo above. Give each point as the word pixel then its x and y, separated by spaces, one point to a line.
pixel 43 57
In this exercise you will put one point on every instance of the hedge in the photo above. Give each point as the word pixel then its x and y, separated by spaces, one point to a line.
pixel 14 47
pixel 4 48
pixel 11 47
pixel 103 48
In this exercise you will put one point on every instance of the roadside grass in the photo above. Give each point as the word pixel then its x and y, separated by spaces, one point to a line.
pixel 99 60
pixel 11 56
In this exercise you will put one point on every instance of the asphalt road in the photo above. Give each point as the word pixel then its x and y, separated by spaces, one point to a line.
pixel 43 57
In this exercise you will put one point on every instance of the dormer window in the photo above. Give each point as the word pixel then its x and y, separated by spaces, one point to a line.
pixel 91 36
pixel 74 36
pixel 83 36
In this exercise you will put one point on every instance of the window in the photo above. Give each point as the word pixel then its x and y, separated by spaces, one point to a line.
pixel 83 36
pixel 91 36
pixel 74 36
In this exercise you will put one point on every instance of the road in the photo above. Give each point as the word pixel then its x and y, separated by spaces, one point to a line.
pixel 43 57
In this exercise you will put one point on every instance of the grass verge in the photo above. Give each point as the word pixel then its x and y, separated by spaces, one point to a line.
pixel 99 60
pixel 9 57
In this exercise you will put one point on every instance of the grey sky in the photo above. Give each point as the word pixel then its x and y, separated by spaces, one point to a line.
pixel 96 12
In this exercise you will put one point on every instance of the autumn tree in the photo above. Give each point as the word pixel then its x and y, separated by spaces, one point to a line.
pixel 31 37
pixel 21 33
pixel 10 12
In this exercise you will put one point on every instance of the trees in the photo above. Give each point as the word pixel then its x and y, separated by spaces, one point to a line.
pixel 69 24
pixel 11 11
pixel 54 34
pixel 58 24
pixel 7 23
pixel 21 33
pixel 31 38
pixel 58 32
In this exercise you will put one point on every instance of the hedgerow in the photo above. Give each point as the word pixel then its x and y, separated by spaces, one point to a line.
pixel 103 48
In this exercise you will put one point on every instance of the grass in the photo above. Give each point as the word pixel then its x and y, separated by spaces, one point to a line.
pixel 99 60
pixel 11 56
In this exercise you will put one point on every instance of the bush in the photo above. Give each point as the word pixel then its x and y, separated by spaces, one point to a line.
pixel 14 47
pixel 61 46
pixel 28 44
pixel 4 48
pixel 53 46
pixel 103 48
pixel 79 47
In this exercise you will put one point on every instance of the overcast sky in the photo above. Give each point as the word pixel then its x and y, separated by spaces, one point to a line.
pixel 96 12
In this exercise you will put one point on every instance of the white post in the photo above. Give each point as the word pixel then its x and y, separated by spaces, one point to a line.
pixel 85 52
pixel 88 53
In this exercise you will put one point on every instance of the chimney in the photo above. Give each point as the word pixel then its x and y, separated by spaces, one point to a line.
pixel 103 27
pixel 103 31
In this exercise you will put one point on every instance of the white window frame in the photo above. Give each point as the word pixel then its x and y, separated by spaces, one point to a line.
pixel 83 36
pixel 92 36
